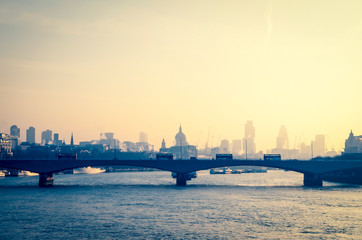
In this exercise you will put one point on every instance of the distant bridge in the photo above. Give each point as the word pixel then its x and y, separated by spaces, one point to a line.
pixel 312 170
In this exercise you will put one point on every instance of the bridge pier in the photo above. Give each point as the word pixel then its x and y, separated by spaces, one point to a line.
pixel 312 180
pixel 46 179
pixel 181 179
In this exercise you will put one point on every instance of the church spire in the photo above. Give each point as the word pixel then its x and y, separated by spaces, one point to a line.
pixel 163 145
pixel 71 140
pixel 180 130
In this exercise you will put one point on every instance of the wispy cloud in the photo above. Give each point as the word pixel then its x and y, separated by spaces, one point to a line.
pixel 81 27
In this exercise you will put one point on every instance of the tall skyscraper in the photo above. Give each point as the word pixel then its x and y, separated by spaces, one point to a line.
pixel 282 139
pixel 143 137
pixel 319 146
pixel 30 135
pixel 46 137
pixel 248 141
pixel 15 131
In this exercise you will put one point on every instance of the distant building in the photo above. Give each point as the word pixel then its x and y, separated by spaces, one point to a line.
pixel 305 151
pixel 56 140
pixel 71 140
pixel 30 135
pixel 282 139
pixel 110 142
pixel 331 153
pixel 143 145
pixel 286 153
pixel 181 150
pixel 86 143
pixel 236 149
pixel 163 146
pixel 14 136
pixel 282 145
pixel 224 146
pixel 46 137
pixel 249 144
pixel 109 135
pixel 319 146
pixel 353 144
pixel 214 151
pixel 143 138
pixel 180 138
pixel 129 146
pixel 15 131
pixel 5 145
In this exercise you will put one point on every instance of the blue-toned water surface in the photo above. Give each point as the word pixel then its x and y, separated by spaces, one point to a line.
pixel 148 205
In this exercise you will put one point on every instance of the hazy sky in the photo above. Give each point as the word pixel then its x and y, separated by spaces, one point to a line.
pixel 131 66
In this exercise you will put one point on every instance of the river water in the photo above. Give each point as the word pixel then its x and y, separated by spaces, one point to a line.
pixel 148 205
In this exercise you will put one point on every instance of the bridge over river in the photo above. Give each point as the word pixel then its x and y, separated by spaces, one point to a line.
pixel 313 170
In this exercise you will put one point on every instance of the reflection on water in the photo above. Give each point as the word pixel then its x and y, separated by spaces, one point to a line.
pixel 138 205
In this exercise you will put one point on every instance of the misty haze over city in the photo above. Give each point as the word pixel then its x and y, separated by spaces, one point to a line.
pixel 89 68
pixel 134 119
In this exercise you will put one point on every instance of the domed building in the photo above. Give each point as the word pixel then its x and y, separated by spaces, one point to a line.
pixel 181 149
pixel 180 138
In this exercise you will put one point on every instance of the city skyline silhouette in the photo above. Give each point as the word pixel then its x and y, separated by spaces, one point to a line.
pixel 318 146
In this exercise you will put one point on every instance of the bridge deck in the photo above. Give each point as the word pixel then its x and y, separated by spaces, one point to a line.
pixel 181 166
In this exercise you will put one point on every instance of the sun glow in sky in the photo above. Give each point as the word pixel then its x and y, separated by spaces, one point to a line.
pixel 129 66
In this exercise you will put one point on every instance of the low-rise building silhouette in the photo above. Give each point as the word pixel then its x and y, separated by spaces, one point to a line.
pixel 353 144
